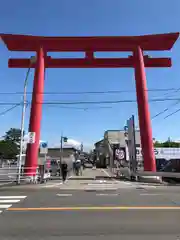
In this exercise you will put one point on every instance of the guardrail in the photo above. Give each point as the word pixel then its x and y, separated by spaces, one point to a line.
pixel 127 173
pixel 158 174
pixel 12 174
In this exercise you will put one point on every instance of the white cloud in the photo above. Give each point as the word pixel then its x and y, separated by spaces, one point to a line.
pixel 69 143
pixel 72 143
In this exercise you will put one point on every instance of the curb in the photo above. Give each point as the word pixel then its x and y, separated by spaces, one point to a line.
pixel 7 184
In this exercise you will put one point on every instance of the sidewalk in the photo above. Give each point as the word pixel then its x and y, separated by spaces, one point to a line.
pixel 91 174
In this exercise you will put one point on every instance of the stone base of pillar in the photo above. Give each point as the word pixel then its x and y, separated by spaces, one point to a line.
pixel 150 179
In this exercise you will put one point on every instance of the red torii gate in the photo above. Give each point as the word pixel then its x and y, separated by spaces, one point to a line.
pixel 89 45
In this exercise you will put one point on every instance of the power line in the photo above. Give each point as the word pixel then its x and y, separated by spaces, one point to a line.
pixel 96 102
pixel 166 109
pixel 92 92
pixel 85 102
pixel 172 113
pixel 9 109
pixel 79 108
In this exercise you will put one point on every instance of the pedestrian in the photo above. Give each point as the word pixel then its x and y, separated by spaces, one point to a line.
pixel 78 167
pixel 64 170
pixel 83 163
pixel 73 160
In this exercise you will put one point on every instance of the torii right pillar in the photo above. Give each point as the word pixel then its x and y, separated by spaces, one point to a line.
pixel 143 112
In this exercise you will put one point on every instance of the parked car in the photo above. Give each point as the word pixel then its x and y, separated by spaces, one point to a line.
pixel 173 165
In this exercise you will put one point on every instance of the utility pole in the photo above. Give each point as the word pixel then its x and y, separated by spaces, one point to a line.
pixel 61 149
pixel 82 148
pixel 63 139
pixel 32 60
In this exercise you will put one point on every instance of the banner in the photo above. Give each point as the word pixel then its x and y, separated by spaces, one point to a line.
pixel 119 154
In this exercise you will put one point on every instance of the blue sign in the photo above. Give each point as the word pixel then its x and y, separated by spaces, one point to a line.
pixel 44 145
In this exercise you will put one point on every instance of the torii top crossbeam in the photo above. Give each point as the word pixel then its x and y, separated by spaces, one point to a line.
pixel 89 45
pixel 156 42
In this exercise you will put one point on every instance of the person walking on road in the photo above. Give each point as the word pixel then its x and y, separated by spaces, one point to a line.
pixel 73 163
pixel 78 167
pixel 64 170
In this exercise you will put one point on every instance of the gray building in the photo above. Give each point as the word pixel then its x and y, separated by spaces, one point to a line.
pixel 54 153
pixel 104 148
pixel 120 137
pixel 100 153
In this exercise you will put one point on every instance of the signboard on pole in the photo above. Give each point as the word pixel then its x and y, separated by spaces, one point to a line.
pixel 31 137
pixel 132 144
pixel 43 148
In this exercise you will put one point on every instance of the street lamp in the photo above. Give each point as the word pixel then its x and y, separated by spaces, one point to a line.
pixel 63 139
pixel 32 60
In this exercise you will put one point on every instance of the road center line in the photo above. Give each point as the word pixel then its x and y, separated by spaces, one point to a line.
pixel 96 208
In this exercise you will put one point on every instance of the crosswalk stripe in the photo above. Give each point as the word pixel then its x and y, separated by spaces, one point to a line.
pixel 9 201
pixel 5 206
pixel 12 197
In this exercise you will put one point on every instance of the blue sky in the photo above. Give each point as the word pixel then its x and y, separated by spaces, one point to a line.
pixel 86 18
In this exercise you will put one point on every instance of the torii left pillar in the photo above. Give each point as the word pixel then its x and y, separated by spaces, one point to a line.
pixel 36 114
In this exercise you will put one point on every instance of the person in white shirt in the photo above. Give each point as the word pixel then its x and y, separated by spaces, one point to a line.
pixel 78 166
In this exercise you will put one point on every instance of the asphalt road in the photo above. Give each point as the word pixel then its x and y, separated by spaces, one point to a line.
pixel 63 214
pixel 125 212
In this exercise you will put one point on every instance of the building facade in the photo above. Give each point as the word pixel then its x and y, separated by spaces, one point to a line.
pixel 114 145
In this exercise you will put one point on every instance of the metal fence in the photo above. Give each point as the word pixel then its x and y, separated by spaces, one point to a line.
pixel 10 174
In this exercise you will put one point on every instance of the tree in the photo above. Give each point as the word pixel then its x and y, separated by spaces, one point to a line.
pixel 8 149
pixel 9 146
pixel 167 144
pixel 158 144
pixel 14 135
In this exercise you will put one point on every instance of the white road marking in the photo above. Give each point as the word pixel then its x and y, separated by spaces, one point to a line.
pixel 126 183
pixel 91 189
pixel 106 194
pixel 9 201
pixel 12 197
pixel 150 194
pixel 5 206
pixel 53 185
pixel 64 195
pixel 148 186
pixel 102 181
pixel 106 173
